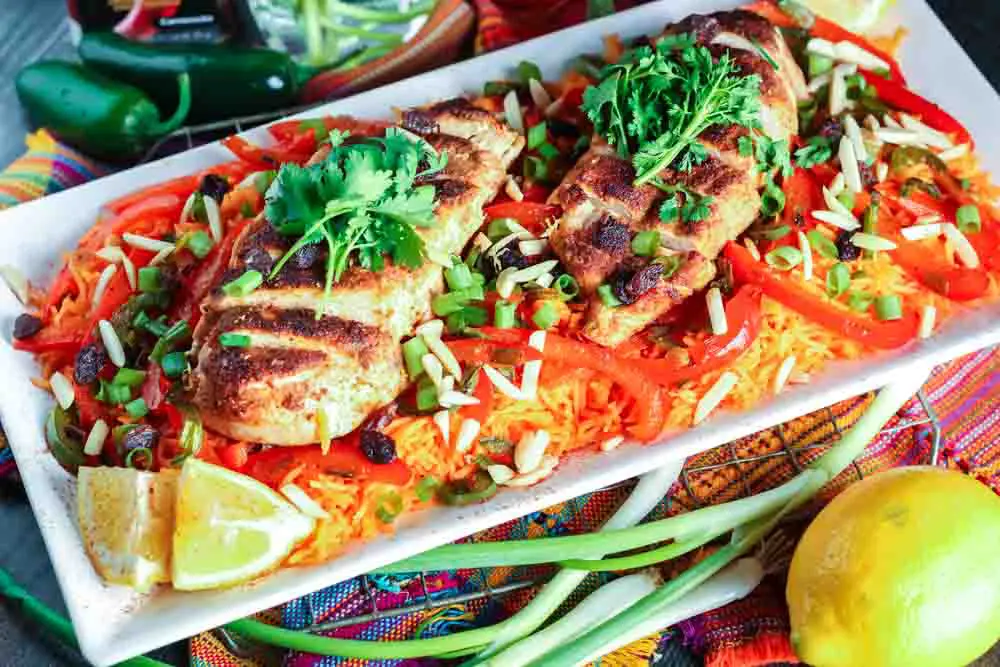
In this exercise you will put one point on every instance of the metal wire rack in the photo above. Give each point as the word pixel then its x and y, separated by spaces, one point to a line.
pixel 744 467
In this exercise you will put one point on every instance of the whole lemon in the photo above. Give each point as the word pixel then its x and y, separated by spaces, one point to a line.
pixel 900 569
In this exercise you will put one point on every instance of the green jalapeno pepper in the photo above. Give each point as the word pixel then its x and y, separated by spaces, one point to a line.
pixel 101 117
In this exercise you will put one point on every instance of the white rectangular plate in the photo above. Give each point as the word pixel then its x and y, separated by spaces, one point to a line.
pixel 114 623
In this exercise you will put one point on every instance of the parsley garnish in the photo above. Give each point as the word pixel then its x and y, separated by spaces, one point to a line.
pixel 655 103
pixel 817 150
pixel 362 201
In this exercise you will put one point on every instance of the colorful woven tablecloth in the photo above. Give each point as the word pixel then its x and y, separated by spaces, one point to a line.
pixel 965 395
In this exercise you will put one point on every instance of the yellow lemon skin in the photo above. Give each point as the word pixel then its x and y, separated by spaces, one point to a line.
pixel 900 570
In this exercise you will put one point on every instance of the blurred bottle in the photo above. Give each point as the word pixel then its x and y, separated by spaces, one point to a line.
pixel 178 21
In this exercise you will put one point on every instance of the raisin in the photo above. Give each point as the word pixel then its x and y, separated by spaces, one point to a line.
pixel 143 436
pixel 847 251
pixel 258 259
pixel 831 129
pixel 611 235
pixel 90 361
pixel 644 280
pixel 306 256
pixel 377 446
pixel 26 326
pixel 214 186
pixel 868 177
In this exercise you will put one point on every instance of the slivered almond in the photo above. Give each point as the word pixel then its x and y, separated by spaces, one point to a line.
pixel 612 443
pixel 500 474
pixel 530 450
pixel 715 395
pixel 502 384
pixel 467 434
pixel 443 420
pixel 548 464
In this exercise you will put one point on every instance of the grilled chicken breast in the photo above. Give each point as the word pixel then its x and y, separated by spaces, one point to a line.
pixel 602 210
pixel 348 362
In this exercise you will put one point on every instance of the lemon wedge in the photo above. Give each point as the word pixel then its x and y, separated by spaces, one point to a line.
pixel 230 528
pixel 856 15
pixel 126 521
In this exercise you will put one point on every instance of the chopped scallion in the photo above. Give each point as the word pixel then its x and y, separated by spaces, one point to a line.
pixel 140 458
pixel 244 285
pixel 537 135
pixel 413 351
pixel 426 488
pixel 498 228
pixel 645 244
pixel 548 151
pixel 199 243
pixel 128 377
pixel 427 395
pixel 546 317
pixel 137 408
pixel 819 65
pixel 822 245
pixel 777 233
pixel 607 296
pixel 229 339
pixel 458 277
pixel 847 199
pixel 527 70
pixel 784 258
pixel 838 280
pixel 503 315
pixel 888 307
pixel 149 279
pixel 968 219
pixel 174 364
pixel 452 302
pixel 114 394
pixel 178 332
pixel 860 301
pixel 567 287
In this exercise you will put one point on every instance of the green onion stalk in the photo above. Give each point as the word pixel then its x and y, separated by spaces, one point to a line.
pixel 649 491
pixel 56 626
pixel 888 401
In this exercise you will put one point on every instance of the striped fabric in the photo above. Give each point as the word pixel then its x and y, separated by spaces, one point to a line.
pixel 46 167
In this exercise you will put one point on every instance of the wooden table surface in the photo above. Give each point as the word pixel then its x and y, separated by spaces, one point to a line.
pixel 33 29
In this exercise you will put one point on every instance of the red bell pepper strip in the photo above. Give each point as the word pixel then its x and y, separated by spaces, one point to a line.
pixel 62 286
pixel 532 215
pixel 484 392
pixel 154 387
pixel 88 407
pixel 715 352
pixel 803 195
pixel 900 97
pixel 344 458
pixel 44 341
pixel 772 12
pixel 481 351
pixel 234 456
pixel 160 206
pixel 785 289
pixel 298 151
pixel 183 186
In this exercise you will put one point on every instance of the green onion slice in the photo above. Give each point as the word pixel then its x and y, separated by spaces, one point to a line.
pixel 137 408
pixel 229 339
pixel 129 377
pixel 413 354
pixel 777 233
pixel 503 315
pixel 244 285
pixel 838 280
pixel 784 258
pixel 567 287
pixel 537 135
pixel 149 279
pixel 645 244
pixel 546 317
pixel 174 364
pixel 822 245
pixel 888 307
pixel 968 219
pixel 607 296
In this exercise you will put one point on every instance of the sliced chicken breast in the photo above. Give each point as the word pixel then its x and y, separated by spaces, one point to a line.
pixel 603 210
pixel 347 363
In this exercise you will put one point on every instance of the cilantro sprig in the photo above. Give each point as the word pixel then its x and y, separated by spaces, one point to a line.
pixel 364 201
pixel 655 103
